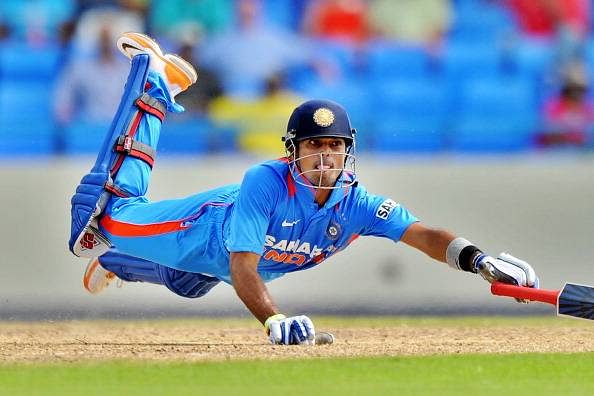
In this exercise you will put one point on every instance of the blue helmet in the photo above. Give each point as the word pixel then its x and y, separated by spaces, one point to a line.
pixel 318 118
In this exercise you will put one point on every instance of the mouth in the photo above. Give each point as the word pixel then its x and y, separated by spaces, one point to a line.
pixel 323 167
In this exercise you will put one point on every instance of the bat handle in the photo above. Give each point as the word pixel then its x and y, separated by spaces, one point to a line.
pixel 525 293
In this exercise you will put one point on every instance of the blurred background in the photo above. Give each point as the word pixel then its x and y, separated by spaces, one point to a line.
pixel 475 114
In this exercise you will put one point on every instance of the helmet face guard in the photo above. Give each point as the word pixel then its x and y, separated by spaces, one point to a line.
pixel 346 177
pixel 320 119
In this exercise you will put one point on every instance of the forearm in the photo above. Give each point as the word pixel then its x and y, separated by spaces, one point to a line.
pixel 249 286
pixel 432 242
pixel 437 244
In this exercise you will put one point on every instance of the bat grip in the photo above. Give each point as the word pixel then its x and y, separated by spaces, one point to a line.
pixel 525 293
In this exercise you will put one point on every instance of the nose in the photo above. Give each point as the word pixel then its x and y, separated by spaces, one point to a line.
pixel 326 149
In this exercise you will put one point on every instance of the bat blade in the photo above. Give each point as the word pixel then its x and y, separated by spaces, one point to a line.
pixel 576 301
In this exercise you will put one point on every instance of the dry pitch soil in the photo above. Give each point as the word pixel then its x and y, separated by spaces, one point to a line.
pixel 199 340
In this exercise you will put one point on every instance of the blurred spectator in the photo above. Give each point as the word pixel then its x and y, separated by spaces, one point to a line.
pixel 139 6
pixel 34 21
pixel 565 21
pixel 569 118
pixel 4 31
pixel 545 17
pixel 339 20
pixel 197 98
pixel 125 16
pixel 81 94
pixel 250 52
pixel 258 121
pixel 180 19
pixel 418 22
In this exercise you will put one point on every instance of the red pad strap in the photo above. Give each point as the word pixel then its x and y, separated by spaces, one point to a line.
pixel 115 190
pixel 150 105
pixel 128 146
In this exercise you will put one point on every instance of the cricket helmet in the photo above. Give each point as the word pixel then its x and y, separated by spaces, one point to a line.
pixel 318 118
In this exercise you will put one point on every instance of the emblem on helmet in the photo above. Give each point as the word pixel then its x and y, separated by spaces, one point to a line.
pixel 323 117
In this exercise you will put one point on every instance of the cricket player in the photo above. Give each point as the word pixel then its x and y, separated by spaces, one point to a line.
pixel 288 214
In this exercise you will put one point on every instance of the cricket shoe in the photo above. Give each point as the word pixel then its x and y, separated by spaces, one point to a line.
pixel 178 73
pixel 97 278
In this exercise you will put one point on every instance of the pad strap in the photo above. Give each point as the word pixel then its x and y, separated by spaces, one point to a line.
pixel 127 145
pixel 150 105
pixel 115 190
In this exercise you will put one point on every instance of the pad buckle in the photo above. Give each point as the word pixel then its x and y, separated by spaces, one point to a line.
pixel 127 143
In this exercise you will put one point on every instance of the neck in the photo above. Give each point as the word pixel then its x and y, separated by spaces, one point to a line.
pixel 322 196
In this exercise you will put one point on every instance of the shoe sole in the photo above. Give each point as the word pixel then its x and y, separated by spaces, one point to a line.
pixel 132 44
pixel 89 271
pixel 184 66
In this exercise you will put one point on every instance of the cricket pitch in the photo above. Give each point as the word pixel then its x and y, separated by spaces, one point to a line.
pixel 242 339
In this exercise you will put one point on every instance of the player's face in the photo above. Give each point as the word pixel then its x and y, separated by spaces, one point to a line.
pixel 321 160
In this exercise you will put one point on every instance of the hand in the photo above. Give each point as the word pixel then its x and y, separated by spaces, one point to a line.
pixel 507 269
pixel 290 331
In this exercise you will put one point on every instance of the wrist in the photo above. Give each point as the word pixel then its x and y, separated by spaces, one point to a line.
pixel 273 318
pixel 476 259
pixel 461 255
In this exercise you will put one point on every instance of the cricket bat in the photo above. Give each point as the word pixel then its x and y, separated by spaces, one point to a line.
pixel 576 301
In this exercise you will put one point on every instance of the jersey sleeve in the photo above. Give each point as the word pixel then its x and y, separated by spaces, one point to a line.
pixel 386 218
pixel 260 190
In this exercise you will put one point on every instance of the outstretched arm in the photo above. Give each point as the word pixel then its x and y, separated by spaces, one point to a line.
pixel 460 254
pixel 433 242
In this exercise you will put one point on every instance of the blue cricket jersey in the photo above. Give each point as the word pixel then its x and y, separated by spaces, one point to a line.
pixel 279 219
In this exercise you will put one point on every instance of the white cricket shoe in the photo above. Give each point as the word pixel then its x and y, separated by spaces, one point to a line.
pixel 178 73
pixel 97 278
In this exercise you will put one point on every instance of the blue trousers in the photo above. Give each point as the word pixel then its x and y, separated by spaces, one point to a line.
pixel 133 269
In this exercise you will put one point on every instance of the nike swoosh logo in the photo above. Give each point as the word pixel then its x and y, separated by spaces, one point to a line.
pixel 290 223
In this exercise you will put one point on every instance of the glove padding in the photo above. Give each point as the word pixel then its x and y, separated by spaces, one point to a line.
pixel 506 269
pixel 291 331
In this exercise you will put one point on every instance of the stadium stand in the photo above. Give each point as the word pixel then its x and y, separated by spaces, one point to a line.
pixel 482 91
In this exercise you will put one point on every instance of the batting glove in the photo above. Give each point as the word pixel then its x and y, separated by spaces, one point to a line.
pixel 507 269
pixel 290 331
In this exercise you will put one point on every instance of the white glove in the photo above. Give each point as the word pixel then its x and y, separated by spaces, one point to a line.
pixel 290 331
pixel 507 269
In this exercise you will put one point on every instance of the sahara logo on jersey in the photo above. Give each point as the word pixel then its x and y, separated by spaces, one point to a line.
pixel 292 252
pixel 385 209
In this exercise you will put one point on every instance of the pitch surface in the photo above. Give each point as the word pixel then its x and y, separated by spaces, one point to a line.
pixel 239 339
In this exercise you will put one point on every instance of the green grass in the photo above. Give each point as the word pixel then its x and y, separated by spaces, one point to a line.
pixel 522 374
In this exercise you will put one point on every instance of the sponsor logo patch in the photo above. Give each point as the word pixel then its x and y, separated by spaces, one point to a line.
pixel 290 223
pixel 88 241
pixel 385 209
